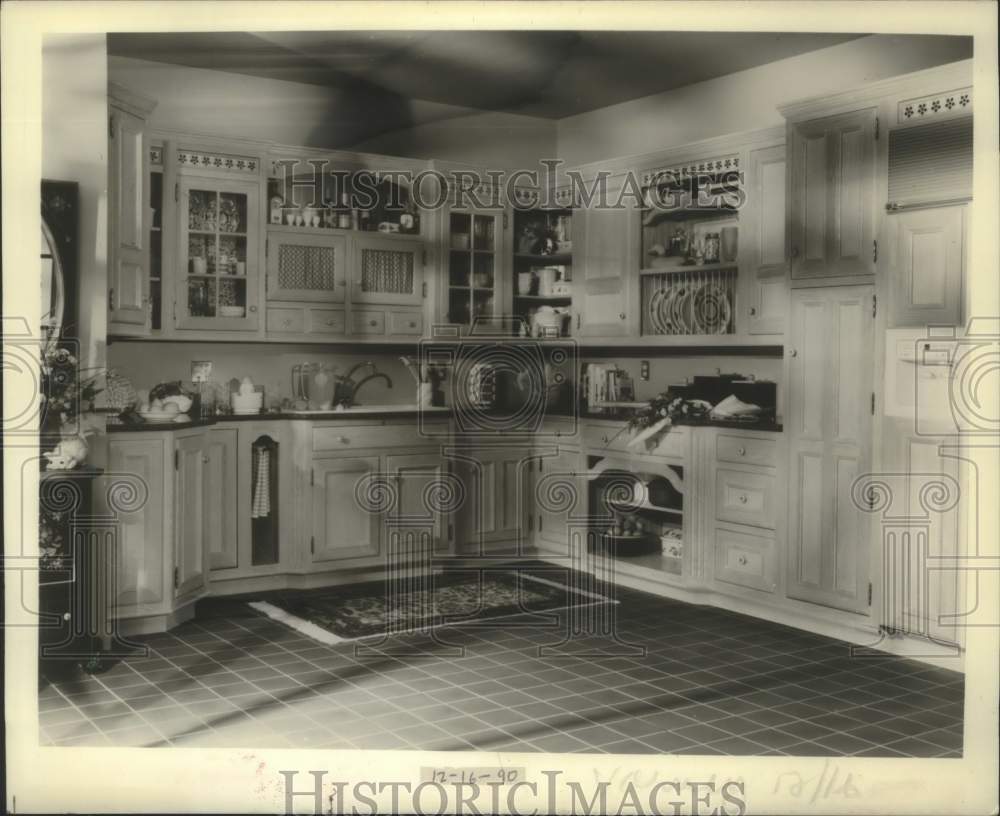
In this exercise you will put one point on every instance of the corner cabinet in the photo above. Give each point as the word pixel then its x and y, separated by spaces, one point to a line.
pixel 130 217
pixel 831 212
pixel 218 254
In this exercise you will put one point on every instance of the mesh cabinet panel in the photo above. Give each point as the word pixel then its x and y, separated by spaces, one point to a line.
pixel 307 267
pixel 386 270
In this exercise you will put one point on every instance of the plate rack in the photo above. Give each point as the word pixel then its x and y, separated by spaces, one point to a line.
pixel 690 301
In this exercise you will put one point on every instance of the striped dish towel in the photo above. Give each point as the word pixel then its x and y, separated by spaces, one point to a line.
pixel 262 484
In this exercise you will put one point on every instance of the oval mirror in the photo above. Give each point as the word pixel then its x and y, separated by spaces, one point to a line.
pixel 53 286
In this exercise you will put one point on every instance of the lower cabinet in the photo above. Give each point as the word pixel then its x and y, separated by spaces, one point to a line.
pixel 221 510
pixel 161 563
pixel 343 526
pixel 493 514
pixel 422 497
pixel 557 494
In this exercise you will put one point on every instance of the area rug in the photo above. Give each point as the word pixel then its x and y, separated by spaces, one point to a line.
pixel 339 614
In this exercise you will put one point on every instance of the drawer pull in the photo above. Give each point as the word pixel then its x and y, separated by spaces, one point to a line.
pixel 286 322
pixel 343 440
pixel 413 325
pixel 372 323
pixel 742 560
pixel 329 322
pixel 742 451
pixel 743 498
pixel 753 311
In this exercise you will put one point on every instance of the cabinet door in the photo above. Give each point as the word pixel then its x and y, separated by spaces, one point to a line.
pixel 830 386
pixel 128 276
pixel 764 219
pixel 556 494
pixel 603 265
pixel 142 561
pixel 926 266
pixel 190 493
pixel 221 505
pixel 310 268
pixel 217 278
pixel 496 485
pixel 343 528
pixel 420 481
pixel 476 267
pixel 832 207
pixel 387 270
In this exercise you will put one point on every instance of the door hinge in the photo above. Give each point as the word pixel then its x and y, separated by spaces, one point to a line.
pixel 874 305
pixel 177 191
pixel 873 403
pixel 505 220
pixel 111 127
pixel 876 128
pixel 531 523
pixel 423 257
pixel 177 577
pixel 267 246
pixel 578 320
pixel 177 460
pixel 451 532
pixel 312 545
pixel 175 311
pixel 423 289
pixel 869 593
pixel 539 522
pixel 312 477
pixel 875 251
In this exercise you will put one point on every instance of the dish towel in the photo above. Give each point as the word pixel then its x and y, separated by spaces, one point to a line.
pixel 262 484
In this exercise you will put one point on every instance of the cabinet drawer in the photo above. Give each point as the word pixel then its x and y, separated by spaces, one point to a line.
pixel 327 321
pixel 671 442
pixel 406 323
pixel 744 559
pixel 288 320
pixel 744 498
pixel 748 450
pixel 367 322
pixel 354 437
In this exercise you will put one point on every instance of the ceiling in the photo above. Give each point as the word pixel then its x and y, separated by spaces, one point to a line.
pixel 550 74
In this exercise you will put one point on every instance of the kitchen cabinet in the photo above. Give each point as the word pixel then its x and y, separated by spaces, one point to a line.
pixel 475 266
pixel 306 267
pixel 925 266
pixel 144 557
pixel 222 505
pixel 558 493
pixel 763 226
pixel 191 493
pixel 604 249
pixel 343 528
pixel 130 216
pixel 421 500
pixel 829 426
pixel 162 553
pixel 832 212
pixel 494 514
pixel 217 277
pixel 387 271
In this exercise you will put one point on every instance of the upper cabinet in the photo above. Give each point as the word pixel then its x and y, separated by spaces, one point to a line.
pixel 604 237
pixel 219 254
pixel 766 261
pixel 474 260
pixel 131 215
pixel 831 212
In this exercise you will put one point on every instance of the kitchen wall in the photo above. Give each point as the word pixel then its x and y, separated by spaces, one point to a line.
pixel 200 101
pixel 746 100
pixel 270 365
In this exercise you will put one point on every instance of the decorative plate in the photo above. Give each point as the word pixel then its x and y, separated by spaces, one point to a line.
pixel 711 309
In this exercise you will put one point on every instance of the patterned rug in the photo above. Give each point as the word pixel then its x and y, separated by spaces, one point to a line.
pixel 337 614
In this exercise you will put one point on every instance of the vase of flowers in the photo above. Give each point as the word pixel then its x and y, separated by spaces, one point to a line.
pixel 67 415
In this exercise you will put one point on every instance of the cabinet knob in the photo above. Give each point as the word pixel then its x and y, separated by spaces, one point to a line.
pixel 795 252
pixel 742 560
pixel 621 315
pixel 67 616
pixel 253 308
pixel 753 311
pixel 206 459
pixel 793 353
pixel 413 324
pixel 743 498
pixel 742 451
pixel 372 323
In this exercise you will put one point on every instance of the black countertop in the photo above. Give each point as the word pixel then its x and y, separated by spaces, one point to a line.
pixel 625 414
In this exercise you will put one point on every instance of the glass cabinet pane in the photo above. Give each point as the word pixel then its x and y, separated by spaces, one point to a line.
pixel 483 278
pixel 459 269
pixel 483 233
pixel 202 210
pixel 459 310
pixel 233 212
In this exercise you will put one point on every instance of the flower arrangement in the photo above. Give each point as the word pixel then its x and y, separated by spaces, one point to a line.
pixel 67 398
pixel 667 406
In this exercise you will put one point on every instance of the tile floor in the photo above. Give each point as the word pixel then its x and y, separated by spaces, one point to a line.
pixel 711 682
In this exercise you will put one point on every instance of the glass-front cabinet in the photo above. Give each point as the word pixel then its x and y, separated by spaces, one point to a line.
pixel 473 267
pixel 218 254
